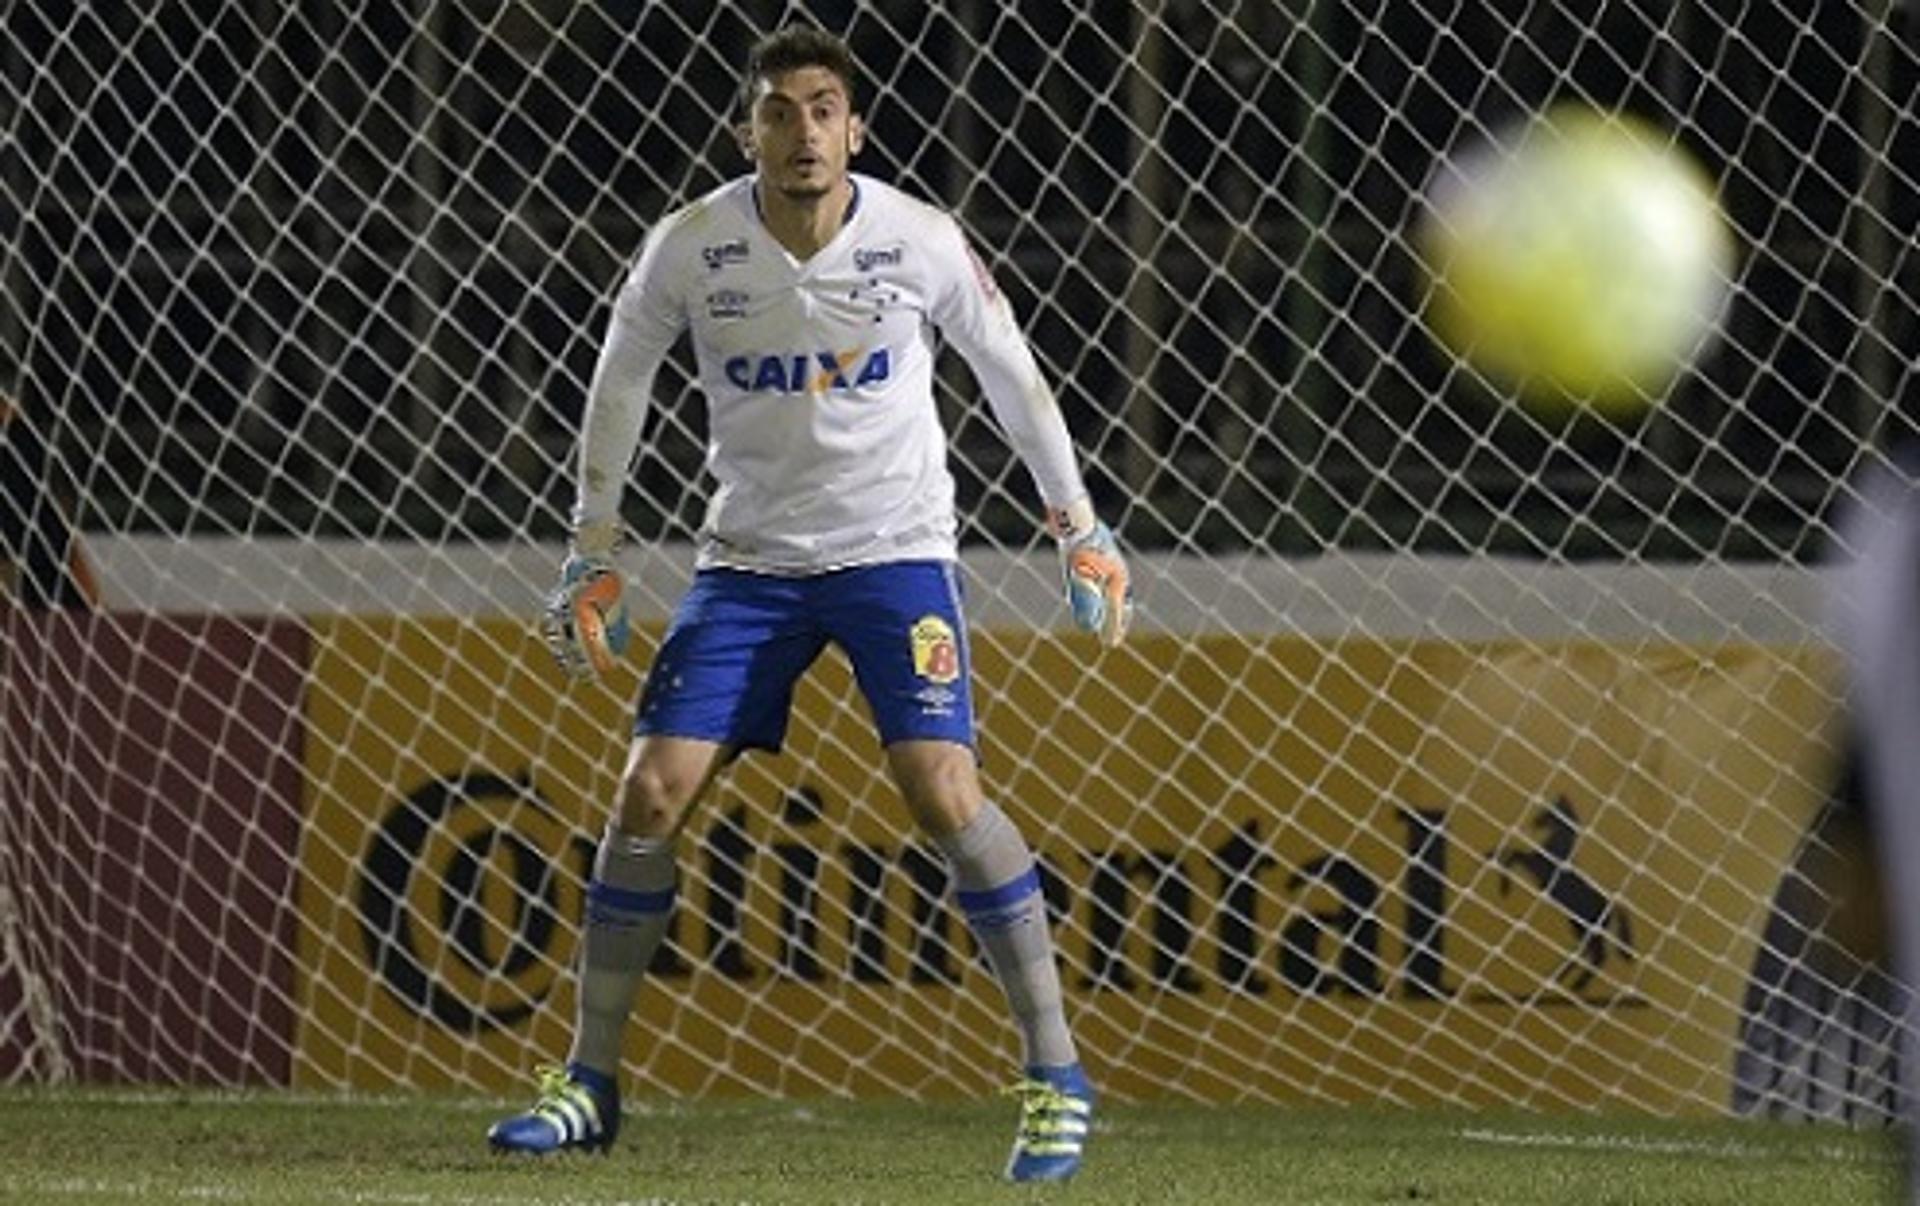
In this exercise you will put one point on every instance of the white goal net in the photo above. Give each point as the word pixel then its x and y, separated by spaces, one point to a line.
pixel 1461 756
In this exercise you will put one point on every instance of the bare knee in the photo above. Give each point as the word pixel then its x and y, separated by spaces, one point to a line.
pixel 651 804
pixel 661 784
pixel 939 782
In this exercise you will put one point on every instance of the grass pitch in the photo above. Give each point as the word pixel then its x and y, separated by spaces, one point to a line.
pixel 68 1147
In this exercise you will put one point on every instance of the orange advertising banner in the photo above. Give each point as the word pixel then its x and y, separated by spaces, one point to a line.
pixel 1526 874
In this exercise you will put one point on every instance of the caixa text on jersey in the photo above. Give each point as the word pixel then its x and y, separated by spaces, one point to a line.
pixel 809 372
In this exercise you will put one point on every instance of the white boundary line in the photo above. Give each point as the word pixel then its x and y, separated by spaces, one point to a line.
pixel 146 1190
pixel 1640 1145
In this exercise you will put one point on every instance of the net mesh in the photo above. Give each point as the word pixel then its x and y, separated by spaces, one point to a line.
pixel 1464 754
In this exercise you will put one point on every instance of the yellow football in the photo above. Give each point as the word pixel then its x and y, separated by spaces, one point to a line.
pixel 1580 259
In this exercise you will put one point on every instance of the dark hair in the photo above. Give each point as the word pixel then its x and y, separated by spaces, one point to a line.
pixel 792 49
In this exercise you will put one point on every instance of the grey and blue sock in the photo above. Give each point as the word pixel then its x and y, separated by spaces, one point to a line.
pixel 998 888
pixel 630 902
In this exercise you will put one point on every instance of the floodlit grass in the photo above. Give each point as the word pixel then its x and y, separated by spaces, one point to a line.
pixel 67 1147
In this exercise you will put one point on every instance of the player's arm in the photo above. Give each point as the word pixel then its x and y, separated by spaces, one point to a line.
pixel 977 319
pixel 585 621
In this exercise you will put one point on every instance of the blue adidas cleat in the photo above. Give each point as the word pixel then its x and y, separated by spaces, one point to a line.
pixel 1056 1113
pixel 577 1108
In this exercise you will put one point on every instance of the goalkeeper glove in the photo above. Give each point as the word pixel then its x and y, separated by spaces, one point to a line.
pixel 585 621
pixel 1098 588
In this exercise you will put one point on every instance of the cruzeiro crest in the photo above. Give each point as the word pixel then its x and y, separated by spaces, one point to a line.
pixel 936 651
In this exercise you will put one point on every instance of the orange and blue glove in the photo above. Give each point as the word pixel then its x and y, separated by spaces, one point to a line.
pixel 585 620
pixel 1099 590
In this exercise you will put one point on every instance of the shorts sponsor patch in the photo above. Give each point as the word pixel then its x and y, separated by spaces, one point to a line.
pixel 936 654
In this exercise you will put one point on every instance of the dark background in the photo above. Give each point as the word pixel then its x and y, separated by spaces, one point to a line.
pixel 331 269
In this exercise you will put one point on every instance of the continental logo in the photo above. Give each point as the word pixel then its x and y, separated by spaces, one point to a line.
pixel 1600 930
pixel 936 653
pixel 810 372
pixel 429 893
pixel 1237 913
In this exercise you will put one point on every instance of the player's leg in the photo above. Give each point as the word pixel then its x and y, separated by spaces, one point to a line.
pixel 631 897
pixel 903 628
pixel 997 886
pixel 722 681
pixel 1876 615
pixel 630 902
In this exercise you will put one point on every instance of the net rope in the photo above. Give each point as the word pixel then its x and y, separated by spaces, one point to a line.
pixel 1463 755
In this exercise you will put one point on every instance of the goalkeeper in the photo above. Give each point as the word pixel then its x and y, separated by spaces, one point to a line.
pixel 811 296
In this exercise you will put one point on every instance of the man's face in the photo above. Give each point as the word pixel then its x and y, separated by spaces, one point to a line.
pixel 801 132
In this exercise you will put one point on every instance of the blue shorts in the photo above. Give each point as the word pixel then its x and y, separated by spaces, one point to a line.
pixel 740 641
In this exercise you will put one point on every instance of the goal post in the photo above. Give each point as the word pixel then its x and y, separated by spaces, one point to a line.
pixel 1461 757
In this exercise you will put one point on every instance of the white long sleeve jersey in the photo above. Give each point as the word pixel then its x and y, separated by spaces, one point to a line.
pixel 823 435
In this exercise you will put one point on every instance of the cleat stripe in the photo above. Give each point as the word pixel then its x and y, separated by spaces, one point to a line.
pixel 589 1110
pixel 566 1114
pixel 569 1108
pixel 1052 1135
